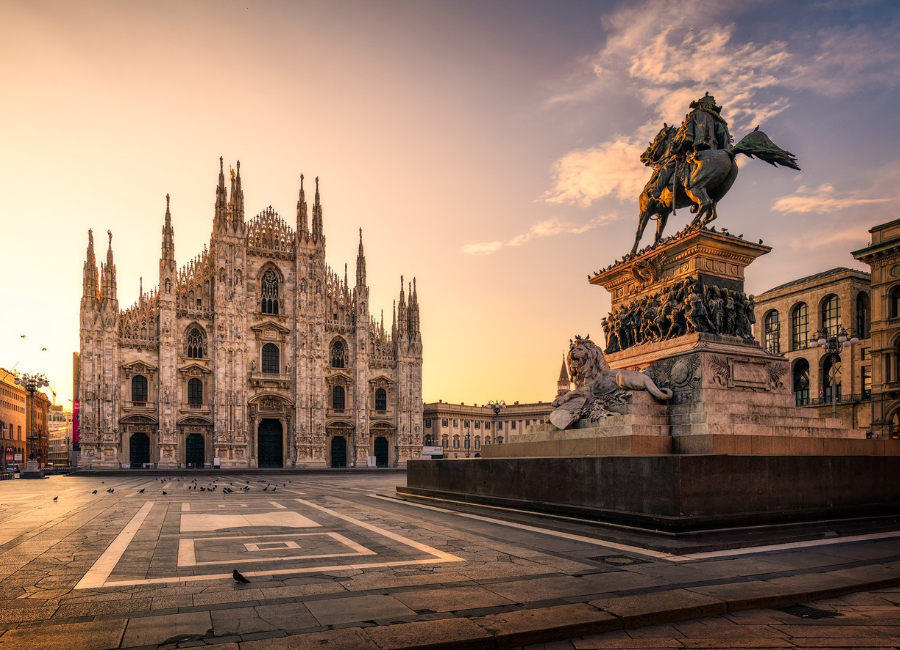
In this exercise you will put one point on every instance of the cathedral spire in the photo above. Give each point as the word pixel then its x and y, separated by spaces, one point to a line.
pixel 360 264
pixel 108 289
pixel 237 200
pixel 221 197
pixel 90 283
pixel 302 222
pixel 168 239
pixel 317 218
pixel 562 384
pixel 402 318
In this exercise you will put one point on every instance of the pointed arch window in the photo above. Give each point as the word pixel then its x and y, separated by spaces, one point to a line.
pixel 380 399
pixel 773 332
pixel 338 398
pixel 195 343
pixel 270 359
pixel 800 327
pixel 269 293
pixel 195 392
pixel 139 388
pixel 338 355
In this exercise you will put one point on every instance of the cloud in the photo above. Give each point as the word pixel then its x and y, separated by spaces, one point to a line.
pixel 613 168
pixel 546 228
pixel 485 248
pixel 652 52
pixel 821 199
pixel 666 54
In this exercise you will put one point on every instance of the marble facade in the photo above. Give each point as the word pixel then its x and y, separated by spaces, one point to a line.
pixel 254 354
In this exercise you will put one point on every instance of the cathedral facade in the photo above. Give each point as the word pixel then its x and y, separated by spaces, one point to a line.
pixel 254 354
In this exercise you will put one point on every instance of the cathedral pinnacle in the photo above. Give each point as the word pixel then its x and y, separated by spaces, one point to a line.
pixel 168 237
pixel 90 284
pixel 360 264
pixel 317 218
pixel 302 222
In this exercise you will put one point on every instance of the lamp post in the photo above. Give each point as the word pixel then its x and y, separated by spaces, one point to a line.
pixel 31 384
pixel 468 440
pixel 496 407
pixel 832 343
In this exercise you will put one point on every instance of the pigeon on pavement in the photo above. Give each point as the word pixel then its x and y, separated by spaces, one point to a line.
pixel 238 577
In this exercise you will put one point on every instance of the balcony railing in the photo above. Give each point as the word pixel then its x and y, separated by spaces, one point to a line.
pixel 855 398
pixel 143 405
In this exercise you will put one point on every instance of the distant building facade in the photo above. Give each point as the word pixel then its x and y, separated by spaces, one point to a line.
pixel 883 258
pixel 450 425
pixel 37 420
pixel 788 315
pixel 255 354
pixel 13 416
pixel 59 438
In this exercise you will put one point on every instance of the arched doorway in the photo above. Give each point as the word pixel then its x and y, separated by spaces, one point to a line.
pixel 338 451
pixel 381 452
pixel 139 450
pixel 271 449
pixel 195 452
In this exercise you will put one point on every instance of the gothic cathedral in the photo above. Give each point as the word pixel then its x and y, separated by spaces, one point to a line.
pixel 255 354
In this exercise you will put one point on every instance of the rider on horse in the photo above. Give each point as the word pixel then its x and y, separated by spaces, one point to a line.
pixel 703 128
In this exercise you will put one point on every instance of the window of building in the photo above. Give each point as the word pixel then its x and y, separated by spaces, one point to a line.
pixel 444 442
pixel 466 424
pixel 195 343
pixel 195 392
pixel 199 303
pixel 499 426
pixel 444 422
pixel 772 332
pixel 801 382
pixel 337 398
pixel 831 314
pixel 268 290
pixel 270 361
pixel 455 423
pixel 338 355
pixel 864 354
pixel 139 388
pixel 477 424
pixel 866 382
pixel 499 440
pixel 800 327
pixel 487 426
pixel 427 423
pixel 862 315
pixel 487 440
pixel 456 442
pixel 513 425
pixel 831 379
pixel 894 308
pixel 381 402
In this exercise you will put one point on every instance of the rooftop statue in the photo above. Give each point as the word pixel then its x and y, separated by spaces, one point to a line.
pixel 694 165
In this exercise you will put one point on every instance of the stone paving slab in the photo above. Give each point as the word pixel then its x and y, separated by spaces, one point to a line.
pixel 509 584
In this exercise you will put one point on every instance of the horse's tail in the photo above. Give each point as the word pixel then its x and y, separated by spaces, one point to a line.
pixel 756 143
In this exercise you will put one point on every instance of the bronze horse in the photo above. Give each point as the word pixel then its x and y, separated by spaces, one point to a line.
pixel 701 178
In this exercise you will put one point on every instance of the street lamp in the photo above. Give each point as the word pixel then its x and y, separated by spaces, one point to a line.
pixel 468 440
pixel 496 407
pixel 832 343
pixel 32 383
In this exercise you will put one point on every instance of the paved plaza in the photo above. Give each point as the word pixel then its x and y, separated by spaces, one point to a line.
pixel 334 561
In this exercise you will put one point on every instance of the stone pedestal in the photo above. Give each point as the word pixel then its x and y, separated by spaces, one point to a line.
pixel 32 470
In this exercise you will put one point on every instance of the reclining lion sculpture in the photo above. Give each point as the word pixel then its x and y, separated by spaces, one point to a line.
pixel 599 391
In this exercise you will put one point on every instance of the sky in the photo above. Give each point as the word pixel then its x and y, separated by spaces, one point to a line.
pixel 488 149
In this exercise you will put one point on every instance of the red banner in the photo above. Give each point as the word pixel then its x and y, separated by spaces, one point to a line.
pixel 76 410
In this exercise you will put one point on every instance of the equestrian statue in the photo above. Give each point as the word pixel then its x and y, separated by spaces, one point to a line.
pixel 695 166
